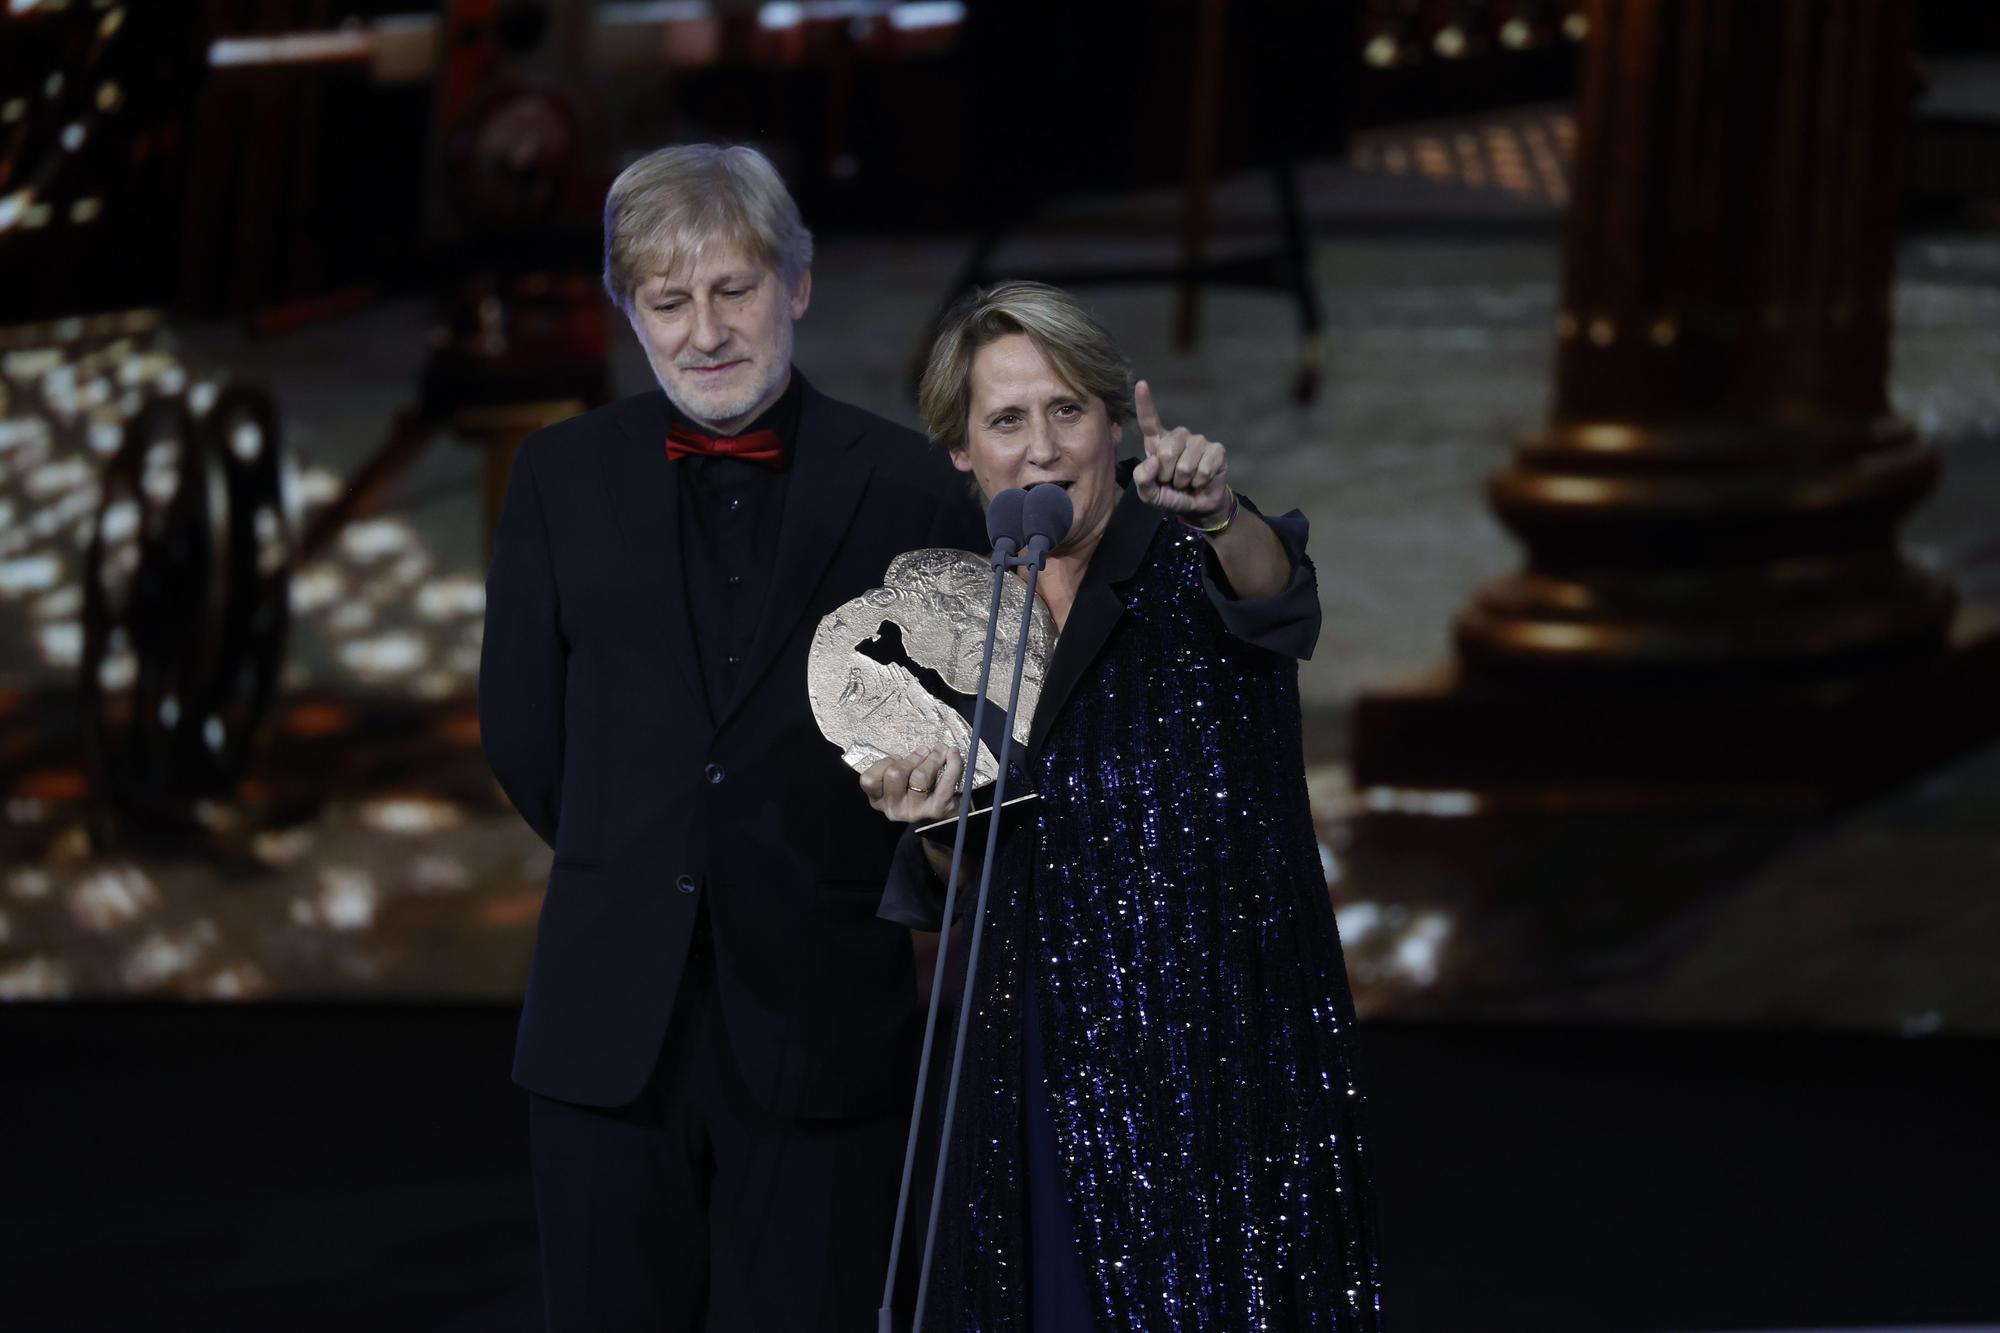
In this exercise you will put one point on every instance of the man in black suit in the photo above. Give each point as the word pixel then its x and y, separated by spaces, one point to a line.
pixel 719 1034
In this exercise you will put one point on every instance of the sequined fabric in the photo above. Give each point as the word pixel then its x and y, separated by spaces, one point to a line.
pixel 1169 904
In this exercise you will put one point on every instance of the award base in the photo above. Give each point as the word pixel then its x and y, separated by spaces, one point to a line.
pixel 944 830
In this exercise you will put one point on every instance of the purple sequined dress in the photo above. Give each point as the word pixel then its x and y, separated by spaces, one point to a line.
pixel 1169 909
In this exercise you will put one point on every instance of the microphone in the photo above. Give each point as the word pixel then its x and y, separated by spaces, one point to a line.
pixel 1045 519
pixel 1003 521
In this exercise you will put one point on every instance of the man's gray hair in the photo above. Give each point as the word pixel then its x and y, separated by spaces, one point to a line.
pixel 1077 347
pixel 664 209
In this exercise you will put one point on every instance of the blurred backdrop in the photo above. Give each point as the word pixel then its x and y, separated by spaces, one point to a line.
pixel 1636 361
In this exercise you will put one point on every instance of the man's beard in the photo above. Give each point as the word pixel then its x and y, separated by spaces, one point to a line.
pixel 715 413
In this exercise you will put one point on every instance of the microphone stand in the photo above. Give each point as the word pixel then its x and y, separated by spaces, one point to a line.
pixel 1038 551
pixel 1004 559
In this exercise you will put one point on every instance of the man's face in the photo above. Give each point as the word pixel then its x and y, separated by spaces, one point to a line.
pixel 1026 427
pixel 719 335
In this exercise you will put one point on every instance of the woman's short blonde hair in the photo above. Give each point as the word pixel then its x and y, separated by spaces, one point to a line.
pixel 1077 347
pixel 666 207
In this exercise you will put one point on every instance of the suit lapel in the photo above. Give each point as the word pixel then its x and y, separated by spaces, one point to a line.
pixel 1097 608
pixel 822 496
pixel 644 490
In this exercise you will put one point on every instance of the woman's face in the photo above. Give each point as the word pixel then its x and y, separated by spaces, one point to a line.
pixel 1026 427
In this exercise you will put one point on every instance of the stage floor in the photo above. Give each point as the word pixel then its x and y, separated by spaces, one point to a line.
pixel 362 1167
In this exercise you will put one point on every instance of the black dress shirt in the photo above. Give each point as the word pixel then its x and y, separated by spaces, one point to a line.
pixel 730 512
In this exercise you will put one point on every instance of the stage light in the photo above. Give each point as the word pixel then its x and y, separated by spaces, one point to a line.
pixel 386 655
pixel 118 671
pixel 281 847
pixel 47 481
pixel 374 538
pixel 164 955
pixel 410 814
pixel 336 47
pixel 246 440
pixel 28 574
pixel 780 14
pixel 1417 952
pixel 110 897
pixel 62 644
pixel 455 595
pixel 347 899
pixel 36 978
pixel 1436 804
pixel 316 588
pixel 236 982
pixel 1357 921
pixel 916 14
pixel 317 486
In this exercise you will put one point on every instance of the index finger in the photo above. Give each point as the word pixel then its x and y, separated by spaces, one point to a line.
pixel 1147 415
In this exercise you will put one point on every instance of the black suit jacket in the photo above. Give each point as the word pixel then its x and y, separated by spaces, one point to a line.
pixel 594 720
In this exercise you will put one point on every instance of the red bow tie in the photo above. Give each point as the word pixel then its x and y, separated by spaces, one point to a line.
pixel 759 446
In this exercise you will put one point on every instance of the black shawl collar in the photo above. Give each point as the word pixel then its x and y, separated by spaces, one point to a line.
pixel 822 497
pixel 1118 557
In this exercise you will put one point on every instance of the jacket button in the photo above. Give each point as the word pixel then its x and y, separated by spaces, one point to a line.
pixel 685 884
pixel 715 773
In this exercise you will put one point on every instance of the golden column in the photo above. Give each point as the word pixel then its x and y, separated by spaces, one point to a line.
pixel 1710 516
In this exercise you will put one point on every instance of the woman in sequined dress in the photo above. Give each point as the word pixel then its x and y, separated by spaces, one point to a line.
pixel 1159 1117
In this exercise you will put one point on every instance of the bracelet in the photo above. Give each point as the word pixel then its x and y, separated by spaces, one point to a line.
pixel 1219 528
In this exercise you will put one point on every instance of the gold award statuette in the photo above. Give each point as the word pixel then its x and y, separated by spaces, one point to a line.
pixel 937 598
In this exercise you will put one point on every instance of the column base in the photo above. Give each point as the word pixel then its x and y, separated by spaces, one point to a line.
pixel 1442 737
